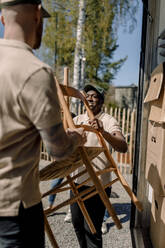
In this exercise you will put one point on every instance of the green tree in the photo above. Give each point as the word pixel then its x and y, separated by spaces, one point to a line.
pixel 59 38
pixel 99 40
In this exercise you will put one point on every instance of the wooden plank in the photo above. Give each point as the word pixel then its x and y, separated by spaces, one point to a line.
pixel 123 121
pixel 115 113
pixel 105 110
pixel 66 82
pixel 132 132
pixel 111 111
pixel 119 116
pixel 50 233
pixel 123 129
pixel 127 134
pixel 127 124
pixel 118 157
pixel 117 154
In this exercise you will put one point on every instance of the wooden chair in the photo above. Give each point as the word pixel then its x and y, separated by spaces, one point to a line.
pixel 83 155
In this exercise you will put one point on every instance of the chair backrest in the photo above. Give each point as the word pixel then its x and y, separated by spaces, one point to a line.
pixel 62 91
pixel 68 91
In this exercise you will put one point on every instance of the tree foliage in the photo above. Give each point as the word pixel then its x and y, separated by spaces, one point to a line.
pixel 99 35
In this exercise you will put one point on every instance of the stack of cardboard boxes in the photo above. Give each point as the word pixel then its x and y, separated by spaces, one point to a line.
pixel 155 160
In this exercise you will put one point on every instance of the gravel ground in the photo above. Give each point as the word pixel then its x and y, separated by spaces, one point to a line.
pixel 115 238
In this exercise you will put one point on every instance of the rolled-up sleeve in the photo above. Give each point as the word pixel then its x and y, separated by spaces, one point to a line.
pixel 112 125
pixel 39 101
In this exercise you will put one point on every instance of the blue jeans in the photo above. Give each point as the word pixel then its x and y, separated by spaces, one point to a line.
pixel 25 230
pixel 54 183
pixel 106 215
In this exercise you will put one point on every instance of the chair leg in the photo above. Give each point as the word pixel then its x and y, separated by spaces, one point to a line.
pixel 99 187
pixel 124 183
pixel 121 178
pixel 50 233
pixel 128 190
pixel 82 207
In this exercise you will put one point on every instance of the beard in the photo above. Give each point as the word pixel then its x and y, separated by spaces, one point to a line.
pixel 39 31
pixel 95 108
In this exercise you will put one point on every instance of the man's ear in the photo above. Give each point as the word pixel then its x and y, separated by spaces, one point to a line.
pixel 2 20
pixel 38 13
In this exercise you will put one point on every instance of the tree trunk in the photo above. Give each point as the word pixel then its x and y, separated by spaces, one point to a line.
pixel 77 58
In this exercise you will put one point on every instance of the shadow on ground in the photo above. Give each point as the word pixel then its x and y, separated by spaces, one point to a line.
pixel 121 209
pixel 114 195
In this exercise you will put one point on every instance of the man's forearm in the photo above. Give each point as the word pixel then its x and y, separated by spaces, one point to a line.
pixel 116 141
pixel 57 143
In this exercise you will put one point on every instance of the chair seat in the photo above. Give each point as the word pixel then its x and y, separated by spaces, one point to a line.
pixel 57 169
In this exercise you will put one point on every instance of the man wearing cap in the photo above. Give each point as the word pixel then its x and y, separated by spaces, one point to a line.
pixel 29 110
pixel 111 132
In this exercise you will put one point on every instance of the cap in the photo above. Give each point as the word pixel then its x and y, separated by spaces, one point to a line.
pixel 97 88
pixel 8 3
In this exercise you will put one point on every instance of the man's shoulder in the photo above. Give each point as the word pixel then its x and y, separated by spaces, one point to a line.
pixel 35 62
pixel 33 65
pixel 20 55
pixel 105 115
pixel 108 119
pixel 37 71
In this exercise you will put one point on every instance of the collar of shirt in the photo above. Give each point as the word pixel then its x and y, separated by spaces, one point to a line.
pixel 96 116
pixel 15 44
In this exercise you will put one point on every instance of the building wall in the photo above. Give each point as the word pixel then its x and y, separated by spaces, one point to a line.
pixel 126 97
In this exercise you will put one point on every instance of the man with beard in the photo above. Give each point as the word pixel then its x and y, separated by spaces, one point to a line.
pixel 113 137
pixel 29 111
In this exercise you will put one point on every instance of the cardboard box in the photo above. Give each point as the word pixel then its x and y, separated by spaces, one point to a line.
pixel 156 95
pixel 155 159
pixel 157 225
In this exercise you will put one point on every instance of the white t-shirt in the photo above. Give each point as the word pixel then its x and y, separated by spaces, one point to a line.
pixel 100 162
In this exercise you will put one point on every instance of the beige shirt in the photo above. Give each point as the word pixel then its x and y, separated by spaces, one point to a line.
pixel 110 125
pixel 28 102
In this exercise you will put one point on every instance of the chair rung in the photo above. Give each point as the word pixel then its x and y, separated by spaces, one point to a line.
pixel 54 191
pixel 98 173
pixel 69 201
pixel 105 186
